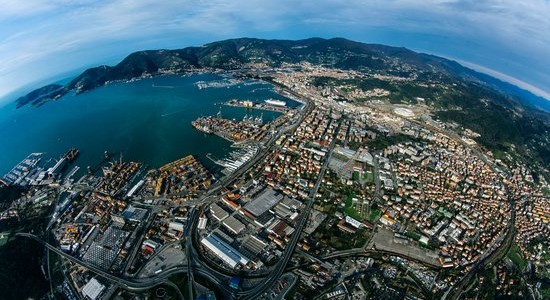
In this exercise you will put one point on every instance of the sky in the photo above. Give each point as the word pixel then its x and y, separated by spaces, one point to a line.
pixel 43 40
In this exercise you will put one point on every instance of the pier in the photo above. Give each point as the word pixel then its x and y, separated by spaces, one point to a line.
pixel 248 104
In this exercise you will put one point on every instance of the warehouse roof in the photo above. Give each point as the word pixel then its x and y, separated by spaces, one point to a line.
pixel 263 202
pixel 217 212
pixel 225 252
pixel 233 225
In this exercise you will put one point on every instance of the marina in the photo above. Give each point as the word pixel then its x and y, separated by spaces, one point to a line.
pixel 222 83
pixel 235 159
pixel 22 173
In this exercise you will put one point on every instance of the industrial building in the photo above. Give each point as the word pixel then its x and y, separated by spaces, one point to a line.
pixel 177 226
pixel 134 214
pixel 282 211
pixel 105 248
pixel 265 219
pixel 255 244
pixel 280 229
pixel 233 225
pixel 202 222
pixel 100 256
pixel 135 188
pixel 226 253
pixel 263 202
pixel 291 203
pixel 218 213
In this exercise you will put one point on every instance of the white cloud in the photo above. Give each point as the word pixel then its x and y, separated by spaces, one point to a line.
pixel 520 83
pixel 73 33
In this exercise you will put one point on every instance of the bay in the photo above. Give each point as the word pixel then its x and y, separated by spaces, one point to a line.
pixel 148 120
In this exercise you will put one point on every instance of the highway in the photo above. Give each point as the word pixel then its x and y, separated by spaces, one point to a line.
pixel 134 284
pixel 188 245
pixel 131 284
pixel 221 279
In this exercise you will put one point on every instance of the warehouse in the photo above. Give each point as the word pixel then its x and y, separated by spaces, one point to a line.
pixel 233 225
pixel 100 256
pixel 282 211
pixel 291 204
pixel 263 202
pixel 134 214
pixel 202 222
pixel 177 226
pixel 106 247
pixel 218 213
pixel 255 245
pixel 280 229
pixel 265 219
pixel 226 253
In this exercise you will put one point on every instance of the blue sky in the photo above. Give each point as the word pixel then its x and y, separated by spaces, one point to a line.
pixel 41 40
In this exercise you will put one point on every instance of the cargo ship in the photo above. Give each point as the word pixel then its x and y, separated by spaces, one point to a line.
pixel 71 155
pixel 64 161
pixel 275 102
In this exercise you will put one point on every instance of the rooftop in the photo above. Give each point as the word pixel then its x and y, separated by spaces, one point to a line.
pixel 263 202
pixel 92 289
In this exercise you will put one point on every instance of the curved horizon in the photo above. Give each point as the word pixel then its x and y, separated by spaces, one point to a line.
pixel 41 41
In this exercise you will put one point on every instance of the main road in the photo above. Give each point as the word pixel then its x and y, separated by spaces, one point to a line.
pixel 488 259
pixel 276 273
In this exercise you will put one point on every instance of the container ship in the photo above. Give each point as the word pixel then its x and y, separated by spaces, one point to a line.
pixel 201 127
pixel 275 102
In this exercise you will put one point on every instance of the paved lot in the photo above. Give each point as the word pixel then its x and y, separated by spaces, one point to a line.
pixel 167 258
pixel 384 240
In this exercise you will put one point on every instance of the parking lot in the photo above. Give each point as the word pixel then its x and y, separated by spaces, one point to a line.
pixel 384 240
pixel 169 257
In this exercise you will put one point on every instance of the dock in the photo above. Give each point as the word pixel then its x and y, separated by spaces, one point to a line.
pixel 248 104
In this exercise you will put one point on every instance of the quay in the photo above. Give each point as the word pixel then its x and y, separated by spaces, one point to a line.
pixel 255 105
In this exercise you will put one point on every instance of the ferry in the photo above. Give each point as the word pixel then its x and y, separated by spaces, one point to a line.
pixel 275 102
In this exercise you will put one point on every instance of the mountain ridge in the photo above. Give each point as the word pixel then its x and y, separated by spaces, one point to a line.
pixel 236 53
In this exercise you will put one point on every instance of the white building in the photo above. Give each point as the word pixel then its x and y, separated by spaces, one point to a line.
pixel 353 222
pixel 177 226
pixel 92 289
pixel 202 223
